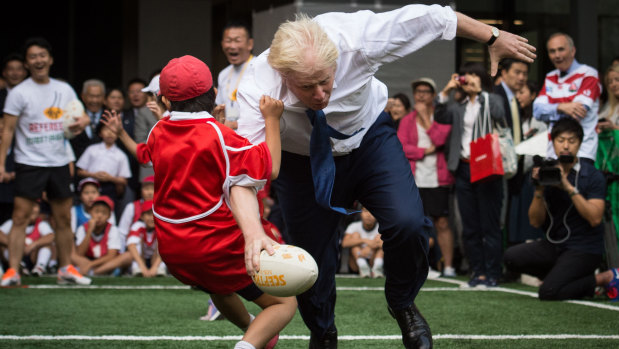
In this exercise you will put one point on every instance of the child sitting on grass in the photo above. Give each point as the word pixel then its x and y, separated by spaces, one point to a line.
pixel 133 211
pixel 38 244
pixel 142 254
pixel 206 177
pixel 366 247
pixel 96 241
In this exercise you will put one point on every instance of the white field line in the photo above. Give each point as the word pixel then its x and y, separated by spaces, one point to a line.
pixel 300 337
pixel 462 287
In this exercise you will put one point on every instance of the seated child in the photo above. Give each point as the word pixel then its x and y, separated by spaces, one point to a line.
pixel 105 162
pixel 132 211
pixel 38 244
pixel 142 253
pixel 366 247
pixel 206 178
pixel 96 241
pixel 88 189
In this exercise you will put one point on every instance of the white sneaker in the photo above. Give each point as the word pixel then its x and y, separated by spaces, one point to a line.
pixel 433 274
pixel 135 270
pixel 377 273
pixel 364 271
pixel 162 270
pixel 449 272
pixel 38 270
pixel 70 275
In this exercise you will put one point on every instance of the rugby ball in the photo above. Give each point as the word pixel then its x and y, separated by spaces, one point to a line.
pixel 290 271
pixel 72 111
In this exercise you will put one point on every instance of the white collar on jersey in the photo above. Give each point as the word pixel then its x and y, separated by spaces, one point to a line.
pixel 181 115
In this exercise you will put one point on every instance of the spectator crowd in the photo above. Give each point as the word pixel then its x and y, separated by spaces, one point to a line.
pixel 490 230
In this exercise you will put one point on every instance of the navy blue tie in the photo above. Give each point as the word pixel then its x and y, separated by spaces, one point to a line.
pixel 321 159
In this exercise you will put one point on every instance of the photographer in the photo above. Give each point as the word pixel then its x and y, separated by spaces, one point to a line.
pixel 568 204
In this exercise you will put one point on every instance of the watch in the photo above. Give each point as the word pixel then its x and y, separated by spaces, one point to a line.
pixel 495 34
pixel 574 192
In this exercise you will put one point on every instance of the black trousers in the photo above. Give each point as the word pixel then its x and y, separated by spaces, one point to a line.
pixel 379 176
pixel 567 274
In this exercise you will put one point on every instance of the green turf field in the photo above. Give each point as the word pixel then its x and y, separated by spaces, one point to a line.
pixel 162 313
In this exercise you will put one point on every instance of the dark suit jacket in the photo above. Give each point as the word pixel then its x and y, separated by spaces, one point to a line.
pixel 499 90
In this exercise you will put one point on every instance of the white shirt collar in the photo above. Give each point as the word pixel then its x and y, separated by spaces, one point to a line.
pixel 180 115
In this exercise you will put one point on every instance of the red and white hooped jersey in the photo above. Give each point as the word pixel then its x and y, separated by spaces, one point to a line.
pixel 581 85
pixel 196 161
pixel 145 240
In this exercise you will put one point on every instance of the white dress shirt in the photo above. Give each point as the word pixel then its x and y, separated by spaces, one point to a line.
pixel 365 41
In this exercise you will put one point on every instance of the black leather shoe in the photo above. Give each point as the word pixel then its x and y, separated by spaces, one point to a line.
pixel 415 330
pixel 327 341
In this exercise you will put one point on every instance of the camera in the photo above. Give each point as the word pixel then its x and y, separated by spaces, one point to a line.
pixel 461 79
pixel 549 174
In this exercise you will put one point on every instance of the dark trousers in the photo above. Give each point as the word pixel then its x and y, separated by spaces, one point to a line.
pixel 480 209
pixel 567 274
pixel 379 176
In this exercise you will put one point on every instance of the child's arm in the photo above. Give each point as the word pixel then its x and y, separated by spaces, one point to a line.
pixel 138 258
pixel 111 254
pixel 42 241
pixel 154 263
pixel 272 110
pixel 244 206
pixel 351 240
pixel 112 120
pixel 83 247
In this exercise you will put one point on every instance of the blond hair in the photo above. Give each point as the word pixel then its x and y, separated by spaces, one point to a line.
pixel 301 46
pixel 611 106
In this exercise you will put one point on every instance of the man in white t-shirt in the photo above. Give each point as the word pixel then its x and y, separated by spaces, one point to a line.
pixel 237 43
pixel 33 114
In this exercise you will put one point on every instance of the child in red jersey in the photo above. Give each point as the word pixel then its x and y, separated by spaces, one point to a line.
pixel 207 221
pixel 96 241
pixel 142 253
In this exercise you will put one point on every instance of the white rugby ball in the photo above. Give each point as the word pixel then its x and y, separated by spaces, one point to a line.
pixel 290 271
pixel 72 111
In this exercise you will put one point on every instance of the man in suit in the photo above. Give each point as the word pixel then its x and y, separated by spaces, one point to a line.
pixel 93 93
pixel 513 77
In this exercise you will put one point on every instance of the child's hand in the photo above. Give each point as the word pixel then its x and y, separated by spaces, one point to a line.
pixel 111 119
pixel 270 107
pixel 253 248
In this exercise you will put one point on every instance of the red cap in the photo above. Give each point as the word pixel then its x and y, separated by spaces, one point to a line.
pixel 185 78
pixel 147 205
pixel 149 179
pixel 106 200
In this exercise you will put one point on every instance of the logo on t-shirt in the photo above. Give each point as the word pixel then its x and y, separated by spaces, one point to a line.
pixel 573 88
pixel 53 113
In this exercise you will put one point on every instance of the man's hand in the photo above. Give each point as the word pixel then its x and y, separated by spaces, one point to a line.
pixel 80 124
pixel 111 119
pixel 508 45
pixel 254 244
pixel 573 109
pixel 270 107
pixel 219 113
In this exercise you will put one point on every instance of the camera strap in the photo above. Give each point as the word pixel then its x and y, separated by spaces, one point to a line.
pixel 567 227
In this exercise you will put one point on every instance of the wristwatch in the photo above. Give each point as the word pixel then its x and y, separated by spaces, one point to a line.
pixel 574 192
pixel 495 35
